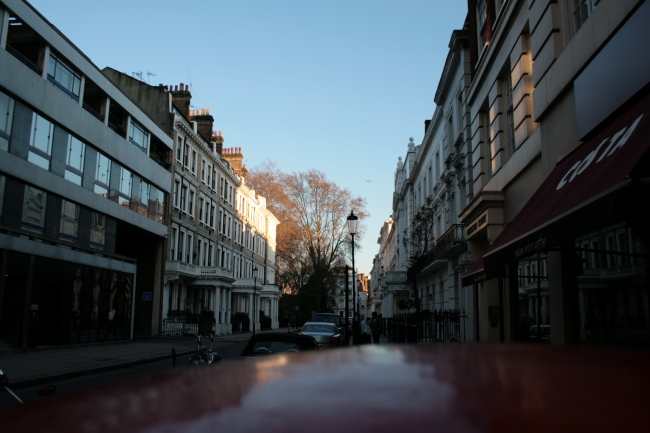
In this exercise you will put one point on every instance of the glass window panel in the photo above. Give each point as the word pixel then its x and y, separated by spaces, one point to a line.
pixel 72 177
pixel 76 152
pixel 126 182
pixel 75 160
pixel 98 231
pixel 34 208
pixel 172 247
pixel 38 160
pixel 41 142
pixel 6 118
pixel 622 247
pixel 138 136
pixel 144 193
pixel 102 175
pixel 157 210
pixel 69 219
pixel 64 75
pixel 2 192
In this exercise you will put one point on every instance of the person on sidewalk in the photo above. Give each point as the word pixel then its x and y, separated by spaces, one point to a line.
pixel 360 330
pixel 375 327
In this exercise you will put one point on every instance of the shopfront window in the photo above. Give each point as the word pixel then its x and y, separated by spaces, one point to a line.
pixel 75 160
pixel 69 221
pixel 40 151
pixel 6 118
pixel 34 209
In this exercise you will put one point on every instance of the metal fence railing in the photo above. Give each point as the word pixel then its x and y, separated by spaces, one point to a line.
pixel 428 326
pixel 178 324
pixel 621 333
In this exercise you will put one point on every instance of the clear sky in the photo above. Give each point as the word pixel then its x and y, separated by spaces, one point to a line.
pixel 336 85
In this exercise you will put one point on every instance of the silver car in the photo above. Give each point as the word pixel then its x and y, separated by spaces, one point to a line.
pixel 325 334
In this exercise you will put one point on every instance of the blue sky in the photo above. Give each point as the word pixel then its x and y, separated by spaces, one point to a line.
pixel 339 86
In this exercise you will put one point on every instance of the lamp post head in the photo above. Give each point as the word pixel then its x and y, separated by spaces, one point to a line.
pixel 352 223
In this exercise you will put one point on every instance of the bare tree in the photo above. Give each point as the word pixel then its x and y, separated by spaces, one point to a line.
pixel 313 236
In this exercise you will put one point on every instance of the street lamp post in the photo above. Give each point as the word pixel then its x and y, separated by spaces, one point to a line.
pixel 347 314
pixel 352 228
pixel 254 296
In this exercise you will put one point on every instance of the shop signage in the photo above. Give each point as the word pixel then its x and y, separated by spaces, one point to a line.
pixel 531 247
pixel 477 224
pixel 615 142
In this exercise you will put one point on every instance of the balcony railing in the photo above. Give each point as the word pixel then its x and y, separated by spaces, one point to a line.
pixel 616 272
pixel 449 242
pixel 173 266
pixel 395 277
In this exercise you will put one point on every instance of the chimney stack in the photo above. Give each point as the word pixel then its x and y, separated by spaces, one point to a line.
pixel 218 140
pixel 235 157
pixel 181 99
pixel 204 122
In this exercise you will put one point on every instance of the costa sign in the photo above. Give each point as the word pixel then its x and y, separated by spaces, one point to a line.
pixel 604 150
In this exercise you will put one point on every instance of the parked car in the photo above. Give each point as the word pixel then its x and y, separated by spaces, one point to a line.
pixel 525 322
pixel 545 333
pixel 326 335
pixel 457 388
pixel 273 343
pixel 330 318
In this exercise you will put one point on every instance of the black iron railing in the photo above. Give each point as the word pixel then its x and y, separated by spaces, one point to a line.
pixel 179 323
pixel 428 326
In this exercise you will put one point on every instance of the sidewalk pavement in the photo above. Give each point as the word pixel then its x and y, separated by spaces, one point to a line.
pixel 49 364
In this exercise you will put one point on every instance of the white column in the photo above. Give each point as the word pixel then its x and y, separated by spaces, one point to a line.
pixel 272 312
pixel 217 309
pixel 228 314
pixel 583 317
pixel 82 85
pixel 4 25
pixel 107 108
pixel 46 62
pixel 275 314
pixel 128 129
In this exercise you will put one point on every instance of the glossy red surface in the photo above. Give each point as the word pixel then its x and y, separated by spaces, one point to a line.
pixel 442 387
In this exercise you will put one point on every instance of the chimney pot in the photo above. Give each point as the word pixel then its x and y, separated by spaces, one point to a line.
pixel 176 88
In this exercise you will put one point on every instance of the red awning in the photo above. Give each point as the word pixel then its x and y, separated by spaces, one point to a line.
pixel 581 195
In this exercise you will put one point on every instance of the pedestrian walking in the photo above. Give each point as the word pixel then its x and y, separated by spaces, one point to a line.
pixel 375 327
pixel 360 330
